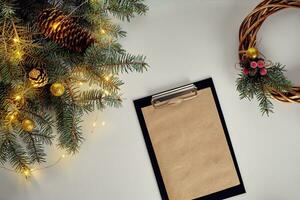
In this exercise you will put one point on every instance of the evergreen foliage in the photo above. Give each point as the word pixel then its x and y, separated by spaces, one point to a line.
pixel 257 86
pixel 23 47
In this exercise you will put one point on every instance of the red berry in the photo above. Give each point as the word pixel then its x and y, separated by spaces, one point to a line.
pixel 263 71
pixel 253 64
pixel 261 64
pixel 245 71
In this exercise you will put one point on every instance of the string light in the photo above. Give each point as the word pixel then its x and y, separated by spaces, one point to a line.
pixel 55 25
pixel 12 117
pixel 108 77
pixel 106 92
pixel 27 173
pixel 18 54
pixel 16 40
pixel 102 31
pixel 18 97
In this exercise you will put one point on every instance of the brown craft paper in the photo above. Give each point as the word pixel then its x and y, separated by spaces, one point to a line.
pixel 191 148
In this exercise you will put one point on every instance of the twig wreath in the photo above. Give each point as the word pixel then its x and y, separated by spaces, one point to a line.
pixel 260 77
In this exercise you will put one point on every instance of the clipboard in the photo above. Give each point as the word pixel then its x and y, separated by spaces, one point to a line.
pixel 188 143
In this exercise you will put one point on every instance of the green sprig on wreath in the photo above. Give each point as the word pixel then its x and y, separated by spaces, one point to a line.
pixel 258 77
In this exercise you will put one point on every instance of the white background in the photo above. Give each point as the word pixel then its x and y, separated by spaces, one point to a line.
pixel 184 41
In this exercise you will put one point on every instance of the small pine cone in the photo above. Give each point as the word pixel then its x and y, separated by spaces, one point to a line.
pixel 63 30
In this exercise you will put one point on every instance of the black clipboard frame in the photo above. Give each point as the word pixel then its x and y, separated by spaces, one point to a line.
pixel 230 192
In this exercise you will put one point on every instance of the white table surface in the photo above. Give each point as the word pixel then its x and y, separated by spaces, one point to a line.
pixel 184 41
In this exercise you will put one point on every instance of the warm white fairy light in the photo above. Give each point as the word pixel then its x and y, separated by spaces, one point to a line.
pixel 102 31
pixel 12 117
pixel 103 123
pixel 55 26
pixel 27 172
pixel 18 54
pixel 18 97
pixel 108 77
pixel 16 40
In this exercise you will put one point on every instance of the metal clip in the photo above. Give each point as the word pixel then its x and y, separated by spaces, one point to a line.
pixel 174 96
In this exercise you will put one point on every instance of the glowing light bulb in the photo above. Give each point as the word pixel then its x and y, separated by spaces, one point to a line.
pixel 103 123
pixel 94 124
pixel 102 31
pixel 106 92
pixel 26 173
pixel 18 97
pixel 16 40
pixel 80 83
pixel 18 54
pixel 12 117
pixel 107 78
pixel 63 155
pixel 55 25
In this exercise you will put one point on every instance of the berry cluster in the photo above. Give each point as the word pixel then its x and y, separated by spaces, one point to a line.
pixel 253 67
pixel 253 64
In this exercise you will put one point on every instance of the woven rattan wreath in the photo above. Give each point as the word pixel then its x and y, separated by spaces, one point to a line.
pixel 262 78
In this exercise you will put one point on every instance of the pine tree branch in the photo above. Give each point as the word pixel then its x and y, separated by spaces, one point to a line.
pixel 34 147
pixel 70 90
pixel 125 9
pixel 70 136
pixel 124 63
pixel 98 77
pixel 250 86
pixel 23 49
pixel 115 65
pixel 3 37
pixel 17 156
pixel 3 146
pixel 45 124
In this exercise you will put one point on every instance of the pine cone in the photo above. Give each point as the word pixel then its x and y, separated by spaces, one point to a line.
pixel 38 77
pixel 63 30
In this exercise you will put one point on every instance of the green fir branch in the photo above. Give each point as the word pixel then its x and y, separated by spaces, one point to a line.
pixel 99 65
pixel 34 147
pixel 3 148
pixel 16 154
pixel 258 86
pixel 70 135
pixel 125 9
pixel 45 123
pixel 125 63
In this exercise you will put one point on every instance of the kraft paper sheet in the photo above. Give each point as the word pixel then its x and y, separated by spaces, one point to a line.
pixel 191 147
